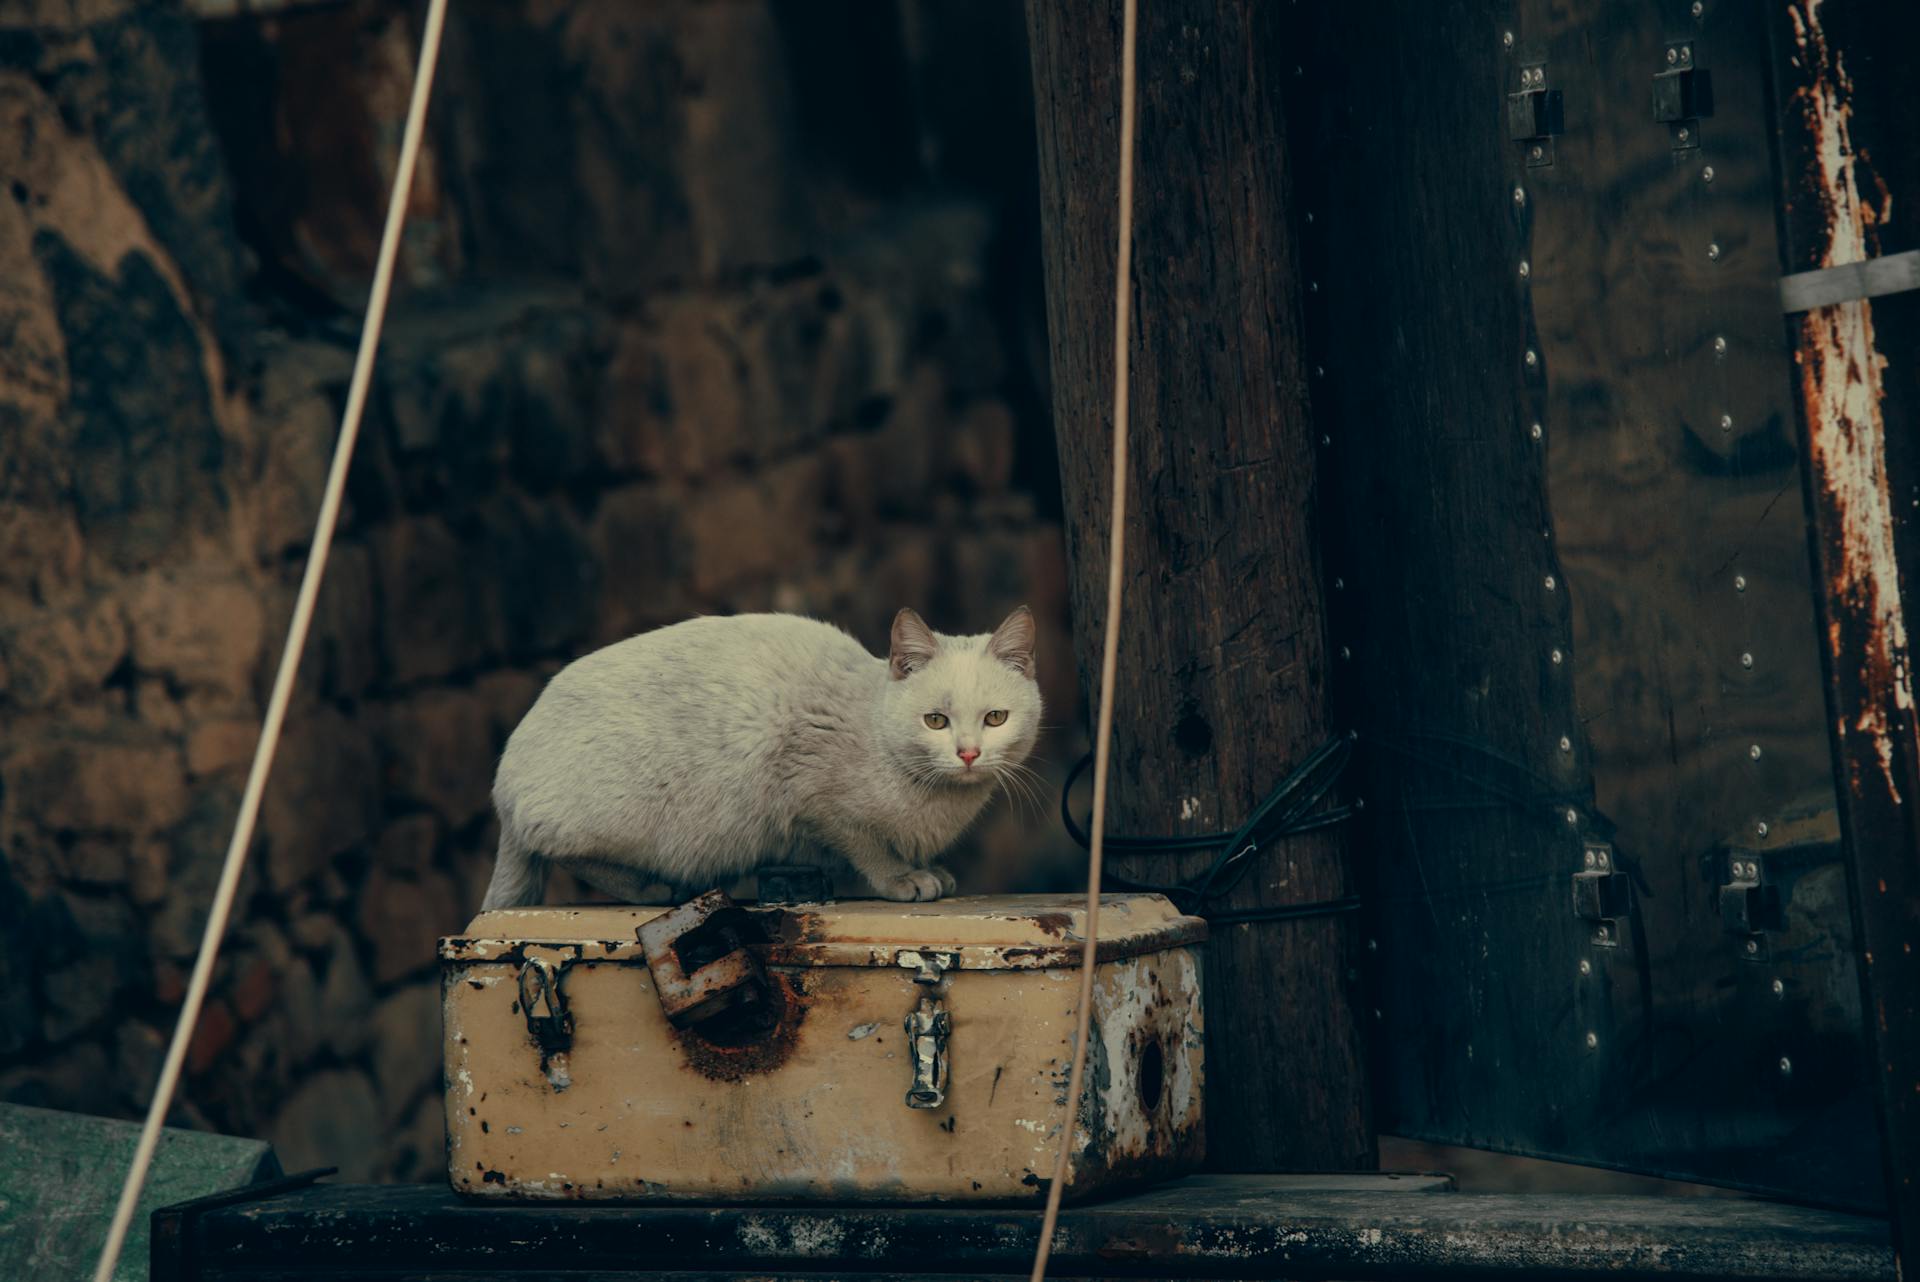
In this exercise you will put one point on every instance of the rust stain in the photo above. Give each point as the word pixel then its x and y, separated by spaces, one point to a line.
pixel 760 1042
pixel 1055 924
pixel 1842 389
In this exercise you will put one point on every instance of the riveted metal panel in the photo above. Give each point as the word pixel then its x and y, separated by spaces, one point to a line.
pixel 1569 544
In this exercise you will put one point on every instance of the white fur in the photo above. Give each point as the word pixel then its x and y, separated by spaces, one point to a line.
pixel 694 754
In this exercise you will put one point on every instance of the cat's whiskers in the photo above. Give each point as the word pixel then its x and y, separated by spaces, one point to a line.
pixel 1022 785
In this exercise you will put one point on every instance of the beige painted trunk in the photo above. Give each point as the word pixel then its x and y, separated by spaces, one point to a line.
pixel 612 1102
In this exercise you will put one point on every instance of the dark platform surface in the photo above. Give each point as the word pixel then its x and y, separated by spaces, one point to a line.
pixel 1343 1226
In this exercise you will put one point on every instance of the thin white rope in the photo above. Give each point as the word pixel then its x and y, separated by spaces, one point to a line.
pixel 283 681
pixel 1110 644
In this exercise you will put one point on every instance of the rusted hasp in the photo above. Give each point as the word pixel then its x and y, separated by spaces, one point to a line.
pixel 699 959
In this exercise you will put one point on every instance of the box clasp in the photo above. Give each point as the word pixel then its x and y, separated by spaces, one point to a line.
pixel 928 1026
pixel 544 1004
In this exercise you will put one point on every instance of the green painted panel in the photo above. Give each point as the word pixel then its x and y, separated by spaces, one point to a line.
pixel 60 1177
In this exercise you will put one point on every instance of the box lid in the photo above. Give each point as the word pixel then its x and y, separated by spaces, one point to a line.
pixel 978 932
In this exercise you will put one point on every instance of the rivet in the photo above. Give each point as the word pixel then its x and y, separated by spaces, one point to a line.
pixel 1519 195
pixel 1297 69
pixel 1345 653
pixel 1761 828
pixel 1556 656
pixel 1698 8
pixel 1573 816
pixel 1538 151
pixel 1309 215
pixel 1753 751
pixel 1739 583
pixel 1713 251
pixel 1319 371
pixel 1686 55
pixel 1506 39
pixel 1673 55
pixel 1376 1014
pixel 1685 133
pixel 1604 861
pixel 1533 358
pixel 1326 440
pixel 1786 1067
pixel 1313 287
pixel 1589 856
pixel 1566 744
pixel 1373 945
pixel 1605 931
pixel 1746 660
pixel 1726 422
pixel 1586 967
pixel 1779 987
pixel 1536 431
pixel 1706 175
pixel 1593 1040
pixel 1551 582
pixel 1526 269
pixel 1753 946
pixel 1339 585
pixel 1719 344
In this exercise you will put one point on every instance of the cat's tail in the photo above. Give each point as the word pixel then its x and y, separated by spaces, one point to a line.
pixel 519 876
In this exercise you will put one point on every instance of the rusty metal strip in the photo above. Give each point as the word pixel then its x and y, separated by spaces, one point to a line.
pixel 1850 282
pixel 1846 169
pixel 1177 934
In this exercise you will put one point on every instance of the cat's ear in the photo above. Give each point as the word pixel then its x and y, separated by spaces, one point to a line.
pixel 913 646
pixel 1012 642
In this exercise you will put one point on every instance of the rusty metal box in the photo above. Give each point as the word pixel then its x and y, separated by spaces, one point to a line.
pixel 902 1053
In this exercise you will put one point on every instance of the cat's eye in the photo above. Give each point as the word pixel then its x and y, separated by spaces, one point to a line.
pixel 998 717
pixel 935 720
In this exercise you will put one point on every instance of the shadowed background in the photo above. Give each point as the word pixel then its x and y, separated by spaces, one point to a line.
pixel 703 307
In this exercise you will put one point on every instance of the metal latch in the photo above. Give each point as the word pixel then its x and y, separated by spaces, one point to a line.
pixel 1534 115
pixel 1682 93
pixel 928 1026
pixel 1749 905
pixel 1602 894
pixel 544 1003
pixel 697 954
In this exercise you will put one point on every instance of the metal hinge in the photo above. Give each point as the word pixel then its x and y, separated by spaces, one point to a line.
pixel 1602 894
pixel 1750 906
pixel 1682 94
pixel 1534 115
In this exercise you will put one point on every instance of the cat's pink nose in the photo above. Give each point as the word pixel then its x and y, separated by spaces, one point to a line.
pixel 968 755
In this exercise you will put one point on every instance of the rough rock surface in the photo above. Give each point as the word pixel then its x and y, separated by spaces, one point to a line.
pixel 673 336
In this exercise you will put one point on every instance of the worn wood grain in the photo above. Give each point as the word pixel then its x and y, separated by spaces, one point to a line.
pixel 1397 1227
pixel 1223 654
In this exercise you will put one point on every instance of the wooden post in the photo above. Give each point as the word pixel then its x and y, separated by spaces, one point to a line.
pixel 1850 175
pixel 1223 655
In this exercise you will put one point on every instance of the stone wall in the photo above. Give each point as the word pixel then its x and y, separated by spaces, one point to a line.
pixel 706 308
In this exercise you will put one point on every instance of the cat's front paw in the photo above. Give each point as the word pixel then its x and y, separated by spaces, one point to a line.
pixel 911 887
pixel 947 884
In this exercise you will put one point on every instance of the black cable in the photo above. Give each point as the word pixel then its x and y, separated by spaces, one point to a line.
pixel 1286 811
pixel 1290 809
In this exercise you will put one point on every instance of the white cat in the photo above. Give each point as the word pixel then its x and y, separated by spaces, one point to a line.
pixel 694 754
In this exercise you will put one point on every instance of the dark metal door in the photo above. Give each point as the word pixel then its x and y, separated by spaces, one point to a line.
pixel 1569 545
